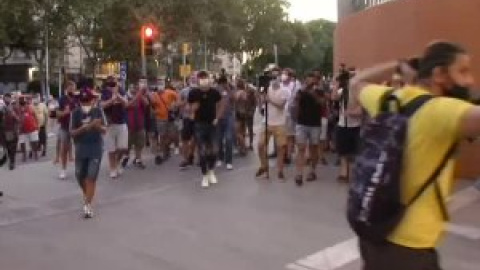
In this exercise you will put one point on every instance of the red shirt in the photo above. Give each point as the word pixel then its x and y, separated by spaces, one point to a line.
pixel 29 122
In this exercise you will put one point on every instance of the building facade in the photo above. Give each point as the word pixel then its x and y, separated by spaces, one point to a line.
pixel 381 31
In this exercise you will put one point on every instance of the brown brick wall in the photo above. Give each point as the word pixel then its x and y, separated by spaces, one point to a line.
pixel 402 28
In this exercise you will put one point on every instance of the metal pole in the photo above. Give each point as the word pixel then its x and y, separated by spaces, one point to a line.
pixel 143 56
pixel 47 64
pixel 205 54
pixel 184 63
pixel 275 52
pixel 60 82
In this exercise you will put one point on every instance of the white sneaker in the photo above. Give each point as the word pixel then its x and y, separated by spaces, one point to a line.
pixel 120 171
pixel 219 163
pixel 62 175
pixel 205 181
pixel 177 151
pixel 212 178
pixel 113 174
pixel 229 167
pixel 87 211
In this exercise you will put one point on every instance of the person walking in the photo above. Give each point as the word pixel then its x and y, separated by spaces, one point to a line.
pixel 88 124
pixel 207 107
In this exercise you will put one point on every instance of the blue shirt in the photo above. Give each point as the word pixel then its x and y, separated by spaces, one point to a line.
pixel 88 144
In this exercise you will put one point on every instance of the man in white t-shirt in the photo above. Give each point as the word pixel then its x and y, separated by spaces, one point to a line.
pixel 276 99
pixel 292 86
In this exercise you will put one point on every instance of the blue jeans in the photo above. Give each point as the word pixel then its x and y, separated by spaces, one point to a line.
pixel 225 135
pixel 206 141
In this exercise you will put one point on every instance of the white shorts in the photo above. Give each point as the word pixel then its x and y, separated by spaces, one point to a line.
pixel 29 137
pixel 116 138
pixel 324 132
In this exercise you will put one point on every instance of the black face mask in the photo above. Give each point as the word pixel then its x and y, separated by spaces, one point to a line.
pixel 458 92
pixel 22 103
pixel 70 94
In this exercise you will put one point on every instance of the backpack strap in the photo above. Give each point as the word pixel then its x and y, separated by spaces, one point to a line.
pixel 411 108
pixel 433 180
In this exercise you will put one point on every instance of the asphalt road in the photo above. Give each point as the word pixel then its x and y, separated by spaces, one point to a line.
pixel 160 218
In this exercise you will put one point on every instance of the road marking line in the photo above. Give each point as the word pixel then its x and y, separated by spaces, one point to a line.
pixel 346 252
pixel 293 266
pixel 333 257
pixel 468 232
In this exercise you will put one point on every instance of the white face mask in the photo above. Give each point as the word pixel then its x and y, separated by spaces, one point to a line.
pixel 284 77
pixel 204 82
pixel 86 108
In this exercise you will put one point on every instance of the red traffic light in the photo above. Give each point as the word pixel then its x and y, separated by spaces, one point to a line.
pixel 148 32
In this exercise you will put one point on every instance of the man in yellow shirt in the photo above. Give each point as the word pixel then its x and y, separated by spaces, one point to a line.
pixel 446 73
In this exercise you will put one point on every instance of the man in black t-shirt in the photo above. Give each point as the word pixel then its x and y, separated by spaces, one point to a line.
pixel 309 102
pixel 207 107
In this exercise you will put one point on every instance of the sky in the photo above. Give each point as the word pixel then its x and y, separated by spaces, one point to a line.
pixel 306 10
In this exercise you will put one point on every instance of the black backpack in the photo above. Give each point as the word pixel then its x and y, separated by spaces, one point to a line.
pixel 375 207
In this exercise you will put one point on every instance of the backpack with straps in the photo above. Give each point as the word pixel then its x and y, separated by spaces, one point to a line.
pixel 375 206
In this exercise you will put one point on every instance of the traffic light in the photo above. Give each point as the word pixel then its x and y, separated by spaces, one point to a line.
pixel 148 39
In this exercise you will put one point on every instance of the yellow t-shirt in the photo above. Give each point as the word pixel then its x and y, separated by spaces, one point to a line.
pixel 431 133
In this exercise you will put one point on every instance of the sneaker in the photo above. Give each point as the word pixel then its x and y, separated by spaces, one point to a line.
pixel 113 174
pixel 219 163
pixel 176 151
pixel 158 160
pixel 62 175
pixel 87 211
pixel 212 178
pixel 229 167
pixel 184 164
pixel 205 181
pixel 120 171
pixel 1 193
pixel 139 164
pixel 299 180
pixel 124 161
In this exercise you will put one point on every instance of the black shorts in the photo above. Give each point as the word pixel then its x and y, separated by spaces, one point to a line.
pixel 394 257
pixel 188 130
pixel 347 140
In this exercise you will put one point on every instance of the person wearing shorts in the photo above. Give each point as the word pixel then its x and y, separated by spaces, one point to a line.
pixel 276 99
pixel 28 129
pixel 87 127
pixel 114 104
pixel 163 101
pixel 67 104
pixel 308 130
pixel 188 126
pixel 137 104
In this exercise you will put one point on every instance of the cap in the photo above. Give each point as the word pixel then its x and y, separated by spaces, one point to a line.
pixel 87 95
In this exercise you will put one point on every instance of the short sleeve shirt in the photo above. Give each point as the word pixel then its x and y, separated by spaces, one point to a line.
pixel 432 130
pixel 208 100
pixel 90 143
pixel 116 113
pixel 63 103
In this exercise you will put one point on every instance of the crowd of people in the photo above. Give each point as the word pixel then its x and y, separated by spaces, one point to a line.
pixel 411 111
pixel 205 121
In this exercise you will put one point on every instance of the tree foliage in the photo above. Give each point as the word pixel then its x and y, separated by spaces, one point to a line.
pixel 110 29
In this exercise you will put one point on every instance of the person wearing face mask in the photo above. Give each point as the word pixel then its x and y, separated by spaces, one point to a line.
pixel 88 124
pixel 10 129
pixel 41 113
pixel 114 103
pixel 67 103
pixel 207 108
pixel 306 113
pixel 445 75
pixel 292 86
pixel 28 129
